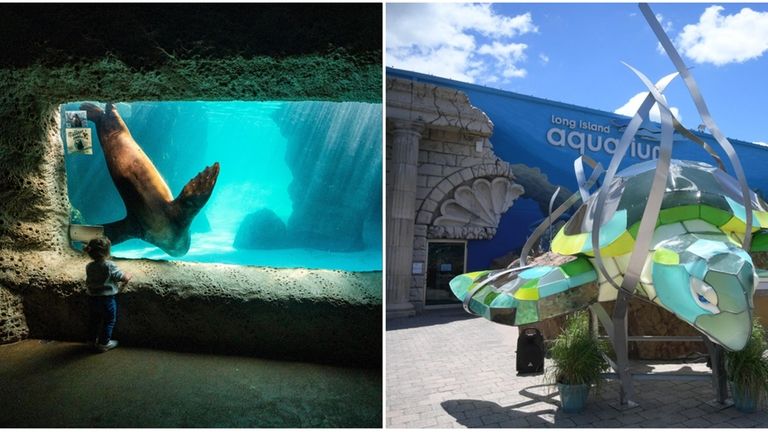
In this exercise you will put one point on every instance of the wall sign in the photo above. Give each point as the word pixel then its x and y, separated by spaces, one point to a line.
pixel 78 134
pixel 587 137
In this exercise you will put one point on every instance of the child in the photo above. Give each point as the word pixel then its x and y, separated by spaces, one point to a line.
pixel 102 278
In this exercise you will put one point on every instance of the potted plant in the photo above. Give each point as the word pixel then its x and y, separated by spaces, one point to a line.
pixel 748 371
pixel 577 362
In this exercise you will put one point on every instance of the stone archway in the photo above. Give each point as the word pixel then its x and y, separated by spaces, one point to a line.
pixel 466 205
pixel 469 203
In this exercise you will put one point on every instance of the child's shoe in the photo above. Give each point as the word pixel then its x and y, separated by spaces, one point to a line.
pixel 108 346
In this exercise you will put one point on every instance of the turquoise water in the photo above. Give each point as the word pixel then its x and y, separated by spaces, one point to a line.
pixel 316 166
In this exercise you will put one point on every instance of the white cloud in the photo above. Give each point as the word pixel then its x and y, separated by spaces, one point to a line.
pixel 504 52
pixel 439 39
pixel 544 58
pixel 722 39
pixel 630 108
pixel 507 56
pixel 667 26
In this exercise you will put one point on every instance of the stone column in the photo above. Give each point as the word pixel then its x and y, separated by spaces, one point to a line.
pixel 401 214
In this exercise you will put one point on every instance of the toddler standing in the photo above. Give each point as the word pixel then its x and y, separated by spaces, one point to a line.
pixel 102 278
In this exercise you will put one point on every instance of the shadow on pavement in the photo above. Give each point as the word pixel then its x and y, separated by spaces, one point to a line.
pixel 650 366
pixel 429 318
pixel 514 415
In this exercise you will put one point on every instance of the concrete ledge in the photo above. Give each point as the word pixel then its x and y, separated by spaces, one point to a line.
pixel 319 316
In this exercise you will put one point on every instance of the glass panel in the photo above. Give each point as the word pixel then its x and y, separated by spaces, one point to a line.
pixel 445 261
pixel 299 183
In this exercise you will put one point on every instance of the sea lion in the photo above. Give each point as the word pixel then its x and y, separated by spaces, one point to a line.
pixel 153 214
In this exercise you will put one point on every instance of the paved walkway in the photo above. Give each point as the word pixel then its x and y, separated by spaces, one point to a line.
pixel 446 369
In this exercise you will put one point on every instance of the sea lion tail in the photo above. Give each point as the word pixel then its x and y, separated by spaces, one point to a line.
pixel 196 192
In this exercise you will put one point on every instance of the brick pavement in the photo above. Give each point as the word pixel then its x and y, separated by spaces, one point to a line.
pixel 446 369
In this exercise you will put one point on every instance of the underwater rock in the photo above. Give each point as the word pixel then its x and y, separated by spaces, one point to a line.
pixel 262 229
pixel 373 226
pixel 334 153
pixel 200 224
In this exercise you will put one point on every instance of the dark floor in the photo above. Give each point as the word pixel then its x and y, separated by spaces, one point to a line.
pixel 59 384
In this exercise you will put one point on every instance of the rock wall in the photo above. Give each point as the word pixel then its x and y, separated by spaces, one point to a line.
pixel 644 319
pixel 312 315
pixel 13 323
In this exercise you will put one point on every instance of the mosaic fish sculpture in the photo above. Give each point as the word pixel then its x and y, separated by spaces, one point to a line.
pixel 695 266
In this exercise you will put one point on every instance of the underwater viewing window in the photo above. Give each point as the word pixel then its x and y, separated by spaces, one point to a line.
pixel 281 184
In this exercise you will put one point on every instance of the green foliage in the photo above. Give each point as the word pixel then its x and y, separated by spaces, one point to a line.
pixel 576 354
pixel 748 368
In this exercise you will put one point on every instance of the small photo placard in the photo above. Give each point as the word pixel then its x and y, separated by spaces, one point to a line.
pixel 79 141
pixel 75 119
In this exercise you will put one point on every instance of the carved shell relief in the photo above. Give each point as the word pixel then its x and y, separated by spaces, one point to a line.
pixel 479 205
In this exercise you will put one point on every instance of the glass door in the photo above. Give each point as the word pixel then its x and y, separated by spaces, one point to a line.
pixel 445 260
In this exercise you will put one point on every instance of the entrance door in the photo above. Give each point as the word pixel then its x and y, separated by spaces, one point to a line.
pixel 445 260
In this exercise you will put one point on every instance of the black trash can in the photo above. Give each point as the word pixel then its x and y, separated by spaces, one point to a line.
pixel 530 352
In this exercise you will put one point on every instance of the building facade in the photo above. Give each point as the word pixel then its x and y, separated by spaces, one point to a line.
pixel 456 200
pixel 445 185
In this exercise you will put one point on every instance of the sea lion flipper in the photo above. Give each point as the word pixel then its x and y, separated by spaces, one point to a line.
pixel 93 112
pixel 197 191
pixel 122 230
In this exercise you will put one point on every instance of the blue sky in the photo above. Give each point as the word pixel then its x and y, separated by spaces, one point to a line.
pixel 573 52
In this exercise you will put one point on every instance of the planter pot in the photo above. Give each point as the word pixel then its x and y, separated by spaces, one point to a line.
pixel 573 397
pixel 742 400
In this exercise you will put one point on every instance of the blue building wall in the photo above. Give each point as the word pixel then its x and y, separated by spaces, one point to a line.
pixel 550 135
